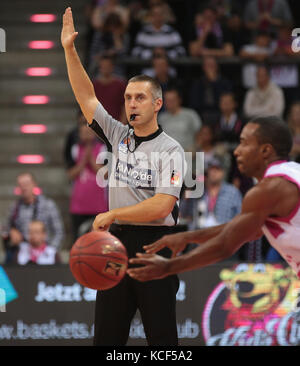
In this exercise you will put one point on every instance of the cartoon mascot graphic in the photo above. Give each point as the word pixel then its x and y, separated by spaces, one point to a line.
pixel 258 295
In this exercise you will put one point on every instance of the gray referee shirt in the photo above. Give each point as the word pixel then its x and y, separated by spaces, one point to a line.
pixel 141 166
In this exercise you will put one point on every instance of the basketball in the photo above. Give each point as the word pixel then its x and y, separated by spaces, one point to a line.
pixel 98 260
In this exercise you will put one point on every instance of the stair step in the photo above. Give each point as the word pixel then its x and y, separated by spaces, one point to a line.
pixel 27 58
pixel 46 175
pixel 38 114
pixel 33 31
pixel 58 90
pixel 54 128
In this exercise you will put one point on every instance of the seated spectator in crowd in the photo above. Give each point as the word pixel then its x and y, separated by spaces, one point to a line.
pixel 205 92
pixel 112 40
pixel 162 72
pixel 72 139
pixel 219 204
pixel 235 32
pixel 104 8
pixel 266 98
pixel 267 15
pixel 36 250
pixel 257 52
pixel 293 121
pixel 158 34
pixel 229 125
pixel 226 9
pixel 285 75
pixel 110 88
pixel 205 141
pixel 208 39
pixel 179 122
pixel 169 16
pixel 88 195
pixel 28 207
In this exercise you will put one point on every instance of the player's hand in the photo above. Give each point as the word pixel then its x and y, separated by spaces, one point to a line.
pixel 155 267
pixel 175 242
pixel 103 221
pixel 68 33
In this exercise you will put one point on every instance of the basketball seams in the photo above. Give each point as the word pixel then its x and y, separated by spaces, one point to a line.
pixel 98 273
pixel 96 255
pixel 80 246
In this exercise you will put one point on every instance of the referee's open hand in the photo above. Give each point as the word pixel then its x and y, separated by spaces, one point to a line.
pixel 68 33
pixel 175 242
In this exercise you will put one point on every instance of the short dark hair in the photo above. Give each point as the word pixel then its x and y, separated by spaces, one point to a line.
pixel 274 131
pixel 155 86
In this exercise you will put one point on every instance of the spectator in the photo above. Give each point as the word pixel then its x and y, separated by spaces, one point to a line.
pixel 158 34
pixel 285 75
pixel 225 8
pixel 87 197
pixel 179 122
pixel 293 121
pixel 36 250
pixel 235 33
pixel 266 99
pixel 259 51
pixel 267 15
pixel 205 141
pixel 230 124
pixel 72 139
pixel 28 207
pixel 104 8
pixel 112 40
pixel 169 16
pixel 219 204
pixel 110 88
pixel 206 91
pixel 208 39
pixel 162 72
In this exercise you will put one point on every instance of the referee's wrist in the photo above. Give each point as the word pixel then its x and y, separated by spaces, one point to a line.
pixel 114 214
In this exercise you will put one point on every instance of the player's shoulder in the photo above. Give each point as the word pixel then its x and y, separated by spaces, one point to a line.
pixel 268 192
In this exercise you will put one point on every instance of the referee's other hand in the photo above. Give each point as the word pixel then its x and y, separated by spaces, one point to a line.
pixel 103 221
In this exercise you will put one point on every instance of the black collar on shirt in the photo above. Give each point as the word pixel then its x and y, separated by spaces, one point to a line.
pixel 140 139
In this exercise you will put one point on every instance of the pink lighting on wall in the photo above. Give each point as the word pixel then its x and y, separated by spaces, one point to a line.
pixel 35 99
pixel 30 159
pixel 43 18
pixel 33 128
pixel 38 71
pixel 41 45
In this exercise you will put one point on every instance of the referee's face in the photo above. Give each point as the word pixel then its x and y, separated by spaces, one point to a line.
pixel 139 101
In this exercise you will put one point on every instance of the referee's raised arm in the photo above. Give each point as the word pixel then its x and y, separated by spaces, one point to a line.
pixel 81 84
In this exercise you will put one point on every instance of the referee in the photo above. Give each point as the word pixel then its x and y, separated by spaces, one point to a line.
pixel 144 186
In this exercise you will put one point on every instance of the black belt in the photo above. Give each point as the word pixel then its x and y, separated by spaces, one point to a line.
pixel 117 227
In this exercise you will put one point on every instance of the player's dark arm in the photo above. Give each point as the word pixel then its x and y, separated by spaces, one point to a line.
pixel 259 203
pixel 81 84
pixel 177 242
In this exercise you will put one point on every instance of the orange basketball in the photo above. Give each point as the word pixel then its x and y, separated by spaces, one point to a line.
pixel 98 260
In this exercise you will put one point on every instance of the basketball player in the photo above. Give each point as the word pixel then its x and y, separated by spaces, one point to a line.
pixel 140 211
pixel 272 207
